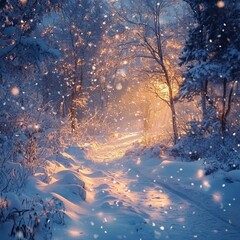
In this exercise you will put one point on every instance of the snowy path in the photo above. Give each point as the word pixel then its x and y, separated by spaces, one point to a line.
pixel 171 213
pixel 135 196
pixel 205 222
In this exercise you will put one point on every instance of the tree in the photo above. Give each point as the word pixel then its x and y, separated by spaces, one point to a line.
pixel 210 57
pixel 21 52
pixel 21 56
pixel 147 20
pixel 18 20
pixel 77 31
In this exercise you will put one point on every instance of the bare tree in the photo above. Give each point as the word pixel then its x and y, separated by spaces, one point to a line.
pixel 77 32
pixel 148 20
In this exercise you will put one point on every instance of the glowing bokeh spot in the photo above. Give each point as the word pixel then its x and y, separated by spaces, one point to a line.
pixel 162 228
pixel 200 173
pixel 15 91
pixel 138 162
pixel 206 184
pixel 36 126
pixel 217 197
pixel 220 4
pixel 119 86
pixel 23 2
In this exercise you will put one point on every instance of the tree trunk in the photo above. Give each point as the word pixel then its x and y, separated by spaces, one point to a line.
pixel 226 106
pixel 204 100
pixel 174 120
pixel 172 106
pixel 230 96
pixel 223 117
pixel 73 109
pixel 146 122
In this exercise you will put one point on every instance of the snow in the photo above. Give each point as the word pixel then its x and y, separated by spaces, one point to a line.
pixel 40 45
pixel 121 190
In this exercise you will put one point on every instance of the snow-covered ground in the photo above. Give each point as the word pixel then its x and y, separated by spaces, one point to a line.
pixel 118 190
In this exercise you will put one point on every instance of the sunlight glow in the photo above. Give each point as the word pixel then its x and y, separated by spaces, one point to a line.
pixel 156 200
pixel 73 215
pixel 74 233
pixel 109 153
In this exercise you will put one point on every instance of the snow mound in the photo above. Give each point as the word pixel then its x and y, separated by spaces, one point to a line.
pixel 233 176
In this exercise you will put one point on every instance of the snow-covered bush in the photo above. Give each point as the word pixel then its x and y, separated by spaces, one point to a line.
pixel 30 218
pixel 91 127
pixel 217 151
pixel 13 176
pixel 26 141
pixel 25 122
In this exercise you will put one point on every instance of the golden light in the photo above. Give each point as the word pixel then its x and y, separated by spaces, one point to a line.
pixel 118 148
pixel 138 162
pixel 220 4
pixel 37 126
pixel 217 197
pixel 119 86
pixel 162 89
pixel 116 135
pixel 75 233
pixel 100 214
pixel 117 36
pixel 15 91
pixel 200 173
pixel 156 200
pixel 206 184
pixel 23 2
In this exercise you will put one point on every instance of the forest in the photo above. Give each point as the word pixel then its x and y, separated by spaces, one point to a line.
pixel 119 119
